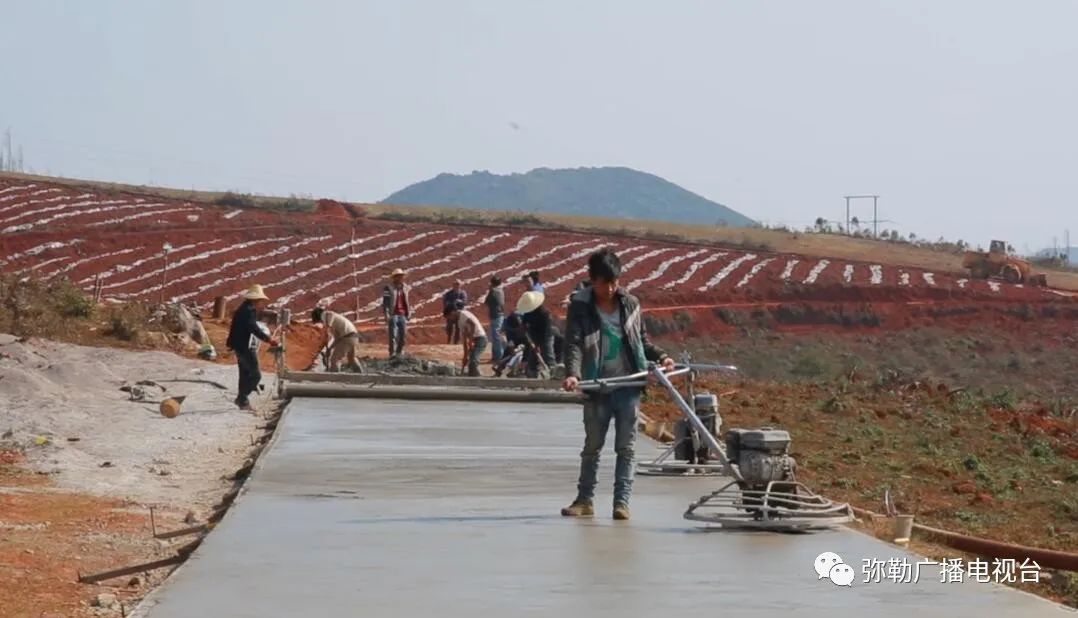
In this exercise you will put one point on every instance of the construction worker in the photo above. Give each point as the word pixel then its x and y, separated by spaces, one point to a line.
pixel 495 302
pixel 449 301
pixel 539 326
pixel 472 336
pixel 396 310
pixel 515 334
pixel 606 338
pixel 244 333
pixel 345 339
pixel 534 285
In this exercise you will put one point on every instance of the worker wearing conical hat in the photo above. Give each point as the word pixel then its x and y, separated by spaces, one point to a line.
pixel 539 324
pixel 243 336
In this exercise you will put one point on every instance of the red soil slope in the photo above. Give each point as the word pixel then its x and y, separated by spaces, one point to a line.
pixel 335 258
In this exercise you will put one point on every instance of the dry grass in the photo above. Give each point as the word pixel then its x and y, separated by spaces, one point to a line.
pixel 809 245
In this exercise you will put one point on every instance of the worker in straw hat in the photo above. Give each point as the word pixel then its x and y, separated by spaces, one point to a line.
pixel 397 310
pixel 243 336
pixel 539 326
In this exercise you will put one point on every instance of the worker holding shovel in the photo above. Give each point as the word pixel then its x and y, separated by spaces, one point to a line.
pixel 345 339
pixel 243 336
pixel 539 327
pixel 472 337
pixel 606 338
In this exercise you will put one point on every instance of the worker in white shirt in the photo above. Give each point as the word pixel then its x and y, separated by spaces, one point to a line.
pixel 345 339
pixel 472 336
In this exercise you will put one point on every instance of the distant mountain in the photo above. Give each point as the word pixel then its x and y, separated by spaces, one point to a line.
pixel 615 192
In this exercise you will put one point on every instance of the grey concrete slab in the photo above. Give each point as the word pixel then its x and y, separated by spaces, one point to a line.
pixel 394 508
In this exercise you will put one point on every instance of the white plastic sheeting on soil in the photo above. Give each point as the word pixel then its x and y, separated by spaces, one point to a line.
pixel 816 271
pixel 695 266
pixel 725 272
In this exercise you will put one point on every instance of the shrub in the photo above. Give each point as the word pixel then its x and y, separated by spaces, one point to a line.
pixel 70 302
pixel 33 307
pixel 127 321
pixel 1004 399
pixel 235 200
pixel 292 203
pixel 808 367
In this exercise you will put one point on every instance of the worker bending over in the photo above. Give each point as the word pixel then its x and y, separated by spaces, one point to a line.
pixel 472 337
pixel 345 339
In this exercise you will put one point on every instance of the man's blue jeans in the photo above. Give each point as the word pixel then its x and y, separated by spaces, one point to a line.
pixel 479 345
pixel 398 327
pixel 619 406
pixel 497 344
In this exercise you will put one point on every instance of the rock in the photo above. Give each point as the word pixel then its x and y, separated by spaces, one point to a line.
pixel 134 582
pixel 170 408
pixel 965 487
pixel 105 600
pixel 153 339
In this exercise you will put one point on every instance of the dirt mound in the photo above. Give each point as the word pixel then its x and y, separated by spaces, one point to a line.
pixel 332 208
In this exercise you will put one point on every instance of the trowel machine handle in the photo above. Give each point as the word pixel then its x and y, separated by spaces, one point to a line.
pixel 640 379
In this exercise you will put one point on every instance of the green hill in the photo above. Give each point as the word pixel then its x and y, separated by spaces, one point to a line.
pixel 617 192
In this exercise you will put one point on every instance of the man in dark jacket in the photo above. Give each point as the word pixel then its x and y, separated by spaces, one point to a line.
pixel 397 310
pixel 605 338
pixel 539 325
pixel 243 336
pixel 495 303
pixel 449 303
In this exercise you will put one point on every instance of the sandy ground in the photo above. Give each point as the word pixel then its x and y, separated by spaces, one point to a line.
pixel 63 406
pixel 80 465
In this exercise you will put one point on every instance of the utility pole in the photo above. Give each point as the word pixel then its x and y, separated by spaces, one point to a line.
pixel 848 214
pixel 875 216
pixel 164 271
pixel 875 212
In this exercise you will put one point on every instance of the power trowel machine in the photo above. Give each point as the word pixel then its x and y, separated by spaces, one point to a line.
pixel 761 491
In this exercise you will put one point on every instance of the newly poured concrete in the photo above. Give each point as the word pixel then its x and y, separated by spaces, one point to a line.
pixel 393 508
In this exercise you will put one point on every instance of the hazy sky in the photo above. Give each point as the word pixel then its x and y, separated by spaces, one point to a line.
pixel 963 116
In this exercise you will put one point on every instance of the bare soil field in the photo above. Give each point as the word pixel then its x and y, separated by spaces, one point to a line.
pixel 81 465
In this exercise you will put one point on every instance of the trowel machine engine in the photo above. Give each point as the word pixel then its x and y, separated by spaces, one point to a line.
pixel 762 456
pixel 689 452
pixel 688 446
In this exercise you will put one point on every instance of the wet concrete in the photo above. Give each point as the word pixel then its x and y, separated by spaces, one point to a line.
pixel 395 508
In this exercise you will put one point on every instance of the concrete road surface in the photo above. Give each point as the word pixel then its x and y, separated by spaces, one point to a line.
pixel 390 508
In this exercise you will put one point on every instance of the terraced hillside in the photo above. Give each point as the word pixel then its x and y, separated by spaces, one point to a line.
pixel 143 247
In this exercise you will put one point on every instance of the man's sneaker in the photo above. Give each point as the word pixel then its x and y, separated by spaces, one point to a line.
pixel 578 508
pixel 621 511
